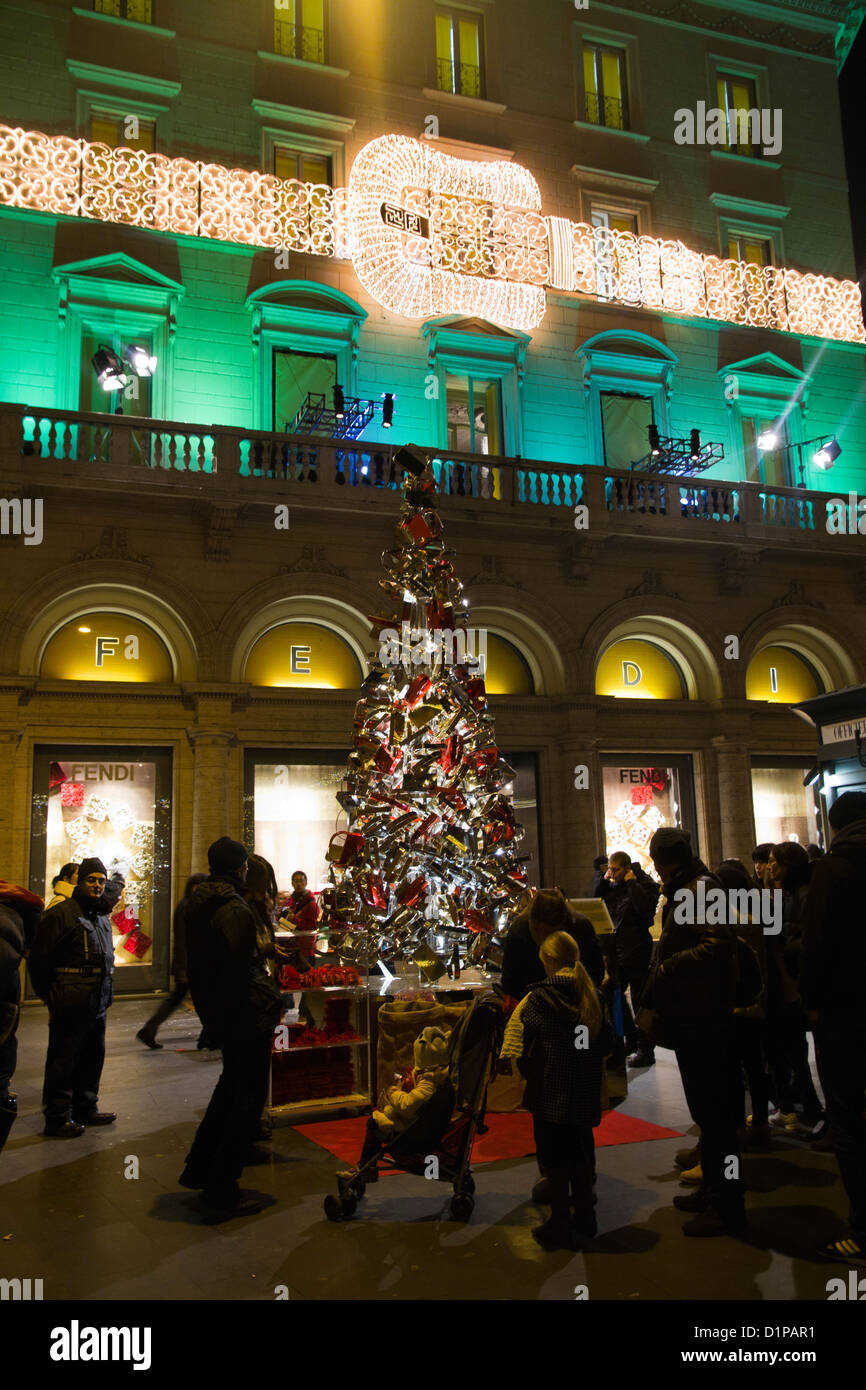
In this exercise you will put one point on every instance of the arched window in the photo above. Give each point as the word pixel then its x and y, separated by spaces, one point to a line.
pixel 303 655
pixel 507 671
pixel 781 676
pixel 634 669
pixel 106 646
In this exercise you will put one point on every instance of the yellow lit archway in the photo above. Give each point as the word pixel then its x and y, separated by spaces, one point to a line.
pixel 507 671
pixel 781 676
pixel 633 669
pixel 303 656
pixel 106 646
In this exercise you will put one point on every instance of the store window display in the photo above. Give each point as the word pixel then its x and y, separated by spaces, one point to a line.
pixel 640 796
pixel 106 804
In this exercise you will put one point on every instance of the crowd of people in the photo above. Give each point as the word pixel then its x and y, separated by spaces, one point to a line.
pixel 731 997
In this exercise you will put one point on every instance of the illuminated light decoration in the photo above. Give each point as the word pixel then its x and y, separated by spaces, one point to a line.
pixel 486 249
pixel 486 234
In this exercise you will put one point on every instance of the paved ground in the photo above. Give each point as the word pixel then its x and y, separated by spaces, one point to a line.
pixel 68 1214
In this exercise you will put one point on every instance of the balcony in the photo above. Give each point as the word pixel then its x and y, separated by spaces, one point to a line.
pixel 606 111
pixel 293 40
pixel 462 78
pixel 41 449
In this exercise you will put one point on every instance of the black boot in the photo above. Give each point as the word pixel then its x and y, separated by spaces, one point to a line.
pixel 557 1233
pixel 584 1218
pixel 8 1116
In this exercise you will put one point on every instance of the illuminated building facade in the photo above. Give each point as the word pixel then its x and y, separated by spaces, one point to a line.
pixel 487 213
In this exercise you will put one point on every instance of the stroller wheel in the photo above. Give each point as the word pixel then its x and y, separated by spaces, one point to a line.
pixel 462 1207
pixel 469 1184
pixel 340 1208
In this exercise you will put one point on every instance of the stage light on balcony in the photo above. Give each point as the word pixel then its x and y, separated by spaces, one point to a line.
pixel 812 776
pixel 387 409
pixel 694 445
pixel 140 360
pixel 654 441
pixel 109 369
pixel 767 440
pixel 827 455
pixel 339 402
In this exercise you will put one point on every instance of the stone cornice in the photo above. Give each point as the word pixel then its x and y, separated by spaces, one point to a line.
pixel 735 24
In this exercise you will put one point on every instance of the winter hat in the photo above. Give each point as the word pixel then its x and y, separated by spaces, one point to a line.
pixel 670 845
pixel 91 866
pixel 225 855
pixel 846 809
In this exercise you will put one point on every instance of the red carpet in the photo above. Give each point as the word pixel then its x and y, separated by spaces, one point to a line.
pixel 508 1136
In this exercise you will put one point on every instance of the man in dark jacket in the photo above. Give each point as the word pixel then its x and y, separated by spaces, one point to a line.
pixel 833 968
pixel 630 897
pixel 72 966
pixel 238 1003
pixel 548 912
pixel 693 991
pixel 19 914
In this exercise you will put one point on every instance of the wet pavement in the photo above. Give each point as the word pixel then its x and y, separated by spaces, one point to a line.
pixel 73 1214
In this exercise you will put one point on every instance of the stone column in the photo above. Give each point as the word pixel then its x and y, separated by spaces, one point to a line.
pixel 736 817
pixel 578 817
pixel 212 813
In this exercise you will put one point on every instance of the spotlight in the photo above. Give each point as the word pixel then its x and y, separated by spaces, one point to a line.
pixel 387 409
pixel 827 455
pixel 695 445
pixel 812 776
pixel 411 459
pixel 84 629
pixel 140 360
pixel 767 439
pixel 109 369
pixel 339 402
pixel 654 442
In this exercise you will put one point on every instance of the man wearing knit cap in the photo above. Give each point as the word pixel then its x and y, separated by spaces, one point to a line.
pixel 238 1003
pixel 71 966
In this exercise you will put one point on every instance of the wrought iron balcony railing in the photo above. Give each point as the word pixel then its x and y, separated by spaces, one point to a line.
pixel 606 111
pixel 47 447
pixel 462 78
pixel 139 10
pixel 296 41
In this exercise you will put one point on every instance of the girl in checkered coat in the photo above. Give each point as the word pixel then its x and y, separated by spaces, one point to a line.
pixel 557 1031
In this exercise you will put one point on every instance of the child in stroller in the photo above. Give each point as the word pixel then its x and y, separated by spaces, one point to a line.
pixel 429 1130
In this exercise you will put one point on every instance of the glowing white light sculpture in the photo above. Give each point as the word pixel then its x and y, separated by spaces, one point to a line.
pixel 462 236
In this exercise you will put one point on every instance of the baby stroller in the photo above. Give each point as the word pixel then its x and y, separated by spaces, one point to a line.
pixel 446 1124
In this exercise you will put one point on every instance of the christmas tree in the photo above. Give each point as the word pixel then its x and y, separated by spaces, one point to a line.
pixel 431 835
